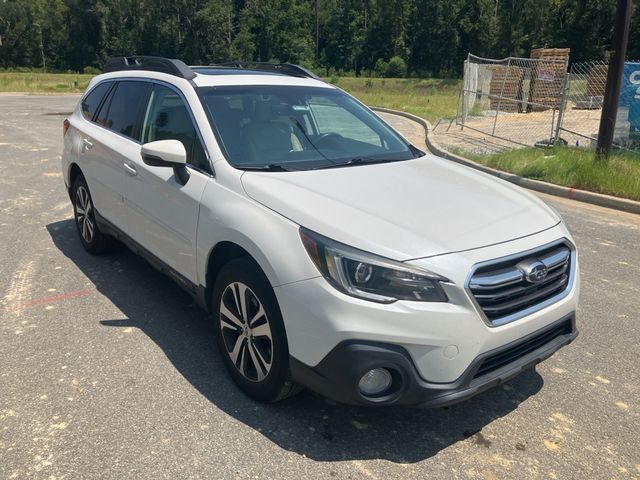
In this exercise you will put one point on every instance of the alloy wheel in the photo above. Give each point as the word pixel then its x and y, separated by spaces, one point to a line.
pixel 246 332
pixel 84 214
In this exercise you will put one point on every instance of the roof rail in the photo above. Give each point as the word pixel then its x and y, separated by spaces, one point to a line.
pixel 153 64
pixel 283 68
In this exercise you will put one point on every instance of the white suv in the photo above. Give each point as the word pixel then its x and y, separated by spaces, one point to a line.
pixel 331 253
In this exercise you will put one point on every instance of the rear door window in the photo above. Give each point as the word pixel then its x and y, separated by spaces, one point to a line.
pixel 124 109
pixel 167 118
pixel 91 102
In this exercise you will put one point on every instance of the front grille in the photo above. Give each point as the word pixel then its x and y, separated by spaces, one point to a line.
pixel 502 290
pixel 499 360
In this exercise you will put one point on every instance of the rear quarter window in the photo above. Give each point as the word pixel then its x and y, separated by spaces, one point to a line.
pixel 91 102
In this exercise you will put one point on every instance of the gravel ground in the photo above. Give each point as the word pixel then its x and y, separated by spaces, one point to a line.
pixel 108 370
pixel 525 129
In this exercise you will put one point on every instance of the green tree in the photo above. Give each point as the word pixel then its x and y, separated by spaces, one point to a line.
pixel 432 36
pixel 19 40
pixel 83 30
pixel 584 26
pixel 215 22
pixel 277 30
pixel 342 34
pixel 386 25
pixel 120 27
pixel 434 42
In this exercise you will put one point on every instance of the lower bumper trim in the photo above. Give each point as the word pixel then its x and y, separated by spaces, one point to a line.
pixel 337 375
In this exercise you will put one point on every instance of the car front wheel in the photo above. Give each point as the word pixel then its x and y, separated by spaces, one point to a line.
pixel 250 332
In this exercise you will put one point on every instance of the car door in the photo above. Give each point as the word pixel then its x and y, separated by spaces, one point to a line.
pixel 162 212
pixel 104 175
pixel 110 141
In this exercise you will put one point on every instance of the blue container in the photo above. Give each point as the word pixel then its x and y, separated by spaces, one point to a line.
pixel 630 96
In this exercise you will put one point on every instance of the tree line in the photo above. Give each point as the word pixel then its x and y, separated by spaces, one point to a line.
pixel 387 37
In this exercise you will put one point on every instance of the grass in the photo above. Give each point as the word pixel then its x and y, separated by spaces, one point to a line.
pixel 571 167
pixel 431 99
pixel 428 98
pixel 35 82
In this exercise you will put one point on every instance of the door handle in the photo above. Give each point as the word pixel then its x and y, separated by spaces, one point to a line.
pixel 130 170
pixel 87 144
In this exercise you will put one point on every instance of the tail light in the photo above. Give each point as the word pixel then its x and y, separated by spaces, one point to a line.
pixel 65 126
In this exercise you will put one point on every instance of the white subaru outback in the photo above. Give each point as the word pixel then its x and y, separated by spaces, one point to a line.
pixel 332 253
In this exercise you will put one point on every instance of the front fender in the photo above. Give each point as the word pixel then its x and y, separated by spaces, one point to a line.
pixel 271 239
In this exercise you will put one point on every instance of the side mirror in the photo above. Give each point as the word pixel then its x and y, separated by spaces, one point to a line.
pixel 167 153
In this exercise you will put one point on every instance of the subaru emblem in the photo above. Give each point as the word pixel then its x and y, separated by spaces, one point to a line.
pixel 534 270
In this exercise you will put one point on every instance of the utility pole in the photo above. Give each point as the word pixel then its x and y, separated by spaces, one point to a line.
pixel 614 80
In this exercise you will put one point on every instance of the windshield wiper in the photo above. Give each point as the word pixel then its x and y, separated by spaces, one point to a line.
pixel 272 167
pixel 363 161
pixel 416 151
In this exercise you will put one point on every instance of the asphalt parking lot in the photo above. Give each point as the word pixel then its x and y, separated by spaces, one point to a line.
pixel 108 370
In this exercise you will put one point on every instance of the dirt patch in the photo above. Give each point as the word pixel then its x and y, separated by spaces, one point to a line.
pixel 491 133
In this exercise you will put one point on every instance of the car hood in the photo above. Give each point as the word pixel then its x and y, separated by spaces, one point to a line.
pixel 403 210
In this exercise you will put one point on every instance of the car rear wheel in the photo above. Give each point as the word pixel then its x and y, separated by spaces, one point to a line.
pixel 93 240
pixel 250 332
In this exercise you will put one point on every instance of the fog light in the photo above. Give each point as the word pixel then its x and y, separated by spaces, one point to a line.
pixel 375 381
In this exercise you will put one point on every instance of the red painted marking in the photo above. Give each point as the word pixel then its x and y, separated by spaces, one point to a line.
pixel 53 299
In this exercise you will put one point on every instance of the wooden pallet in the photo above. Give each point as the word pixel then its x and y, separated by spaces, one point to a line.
pixel 547 77
pixel 505 88
pixel 597 80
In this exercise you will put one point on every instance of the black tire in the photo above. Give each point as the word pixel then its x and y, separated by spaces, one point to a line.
pixel 93 240
pixel 256 342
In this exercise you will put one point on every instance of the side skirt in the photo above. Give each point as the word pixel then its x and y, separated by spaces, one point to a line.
pixel 198 292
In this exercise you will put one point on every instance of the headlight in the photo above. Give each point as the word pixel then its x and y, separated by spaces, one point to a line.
pixel 364 275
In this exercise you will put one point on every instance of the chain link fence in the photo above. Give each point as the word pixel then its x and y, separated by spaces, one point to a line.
pixel 535 102
pixel 515 99
pixel 583 106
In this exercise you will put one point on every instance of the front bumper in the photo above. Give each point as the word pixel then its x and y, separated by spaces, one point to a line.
pixel 442 339
pixel 337 375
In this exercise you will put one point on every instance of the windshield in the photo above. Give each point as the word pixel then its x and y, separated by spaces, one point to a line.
pixel 277 128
